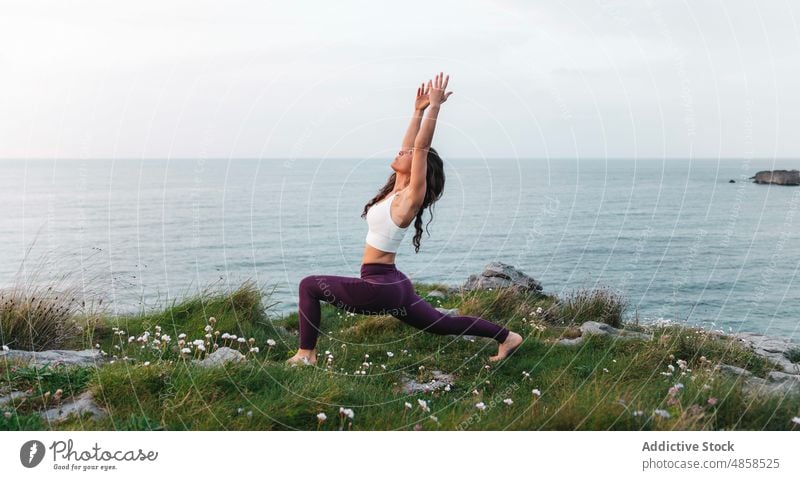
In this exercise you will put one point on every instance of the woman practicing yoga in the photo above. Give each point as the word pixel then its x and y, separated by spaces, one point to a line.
pixel 417 182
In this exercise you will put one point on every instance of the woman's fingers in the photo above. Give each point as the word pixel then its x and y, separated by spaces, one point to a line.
pixel 446 79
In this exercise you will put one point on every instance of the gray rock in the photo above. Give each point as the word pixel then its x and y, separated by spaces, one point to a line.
pixel 734 370
pixel 55 357
pixel 497 275
pixel 11 397
pixel 780 377
pixel 436 294
pixel 772 348
pixel 83 403
pixel 780 383
pixel 440 380
pixel 603 329
pixel 220 356
pixel 777 177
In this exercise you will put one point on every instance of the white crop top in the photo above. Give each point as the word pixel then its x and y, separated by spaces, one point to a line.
pixel 383 233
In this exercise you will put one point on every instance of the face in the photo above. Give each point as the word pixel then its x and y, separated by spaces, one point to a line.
pixel 402 161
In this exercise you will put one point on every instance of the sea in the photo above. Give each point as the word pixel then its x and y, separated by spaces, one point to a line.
pixel 674 236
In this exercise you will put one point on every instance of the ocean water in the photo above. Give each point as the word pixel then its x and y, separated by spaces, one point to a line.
pixel 673 236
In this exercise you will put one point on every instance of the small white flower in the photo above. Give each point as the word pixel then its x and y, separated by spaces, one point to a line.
pixel 480 406
pixel 146 363
pixel 182 335
pixel 671 367
pixel 226 336
pixel 407 405
pixel 254 349
pixel 447 388
pixel 475 392
pixel 240 410
pixel 423 404
pixel 605 369
pixel 322 417
pixel 538 309
pixel 186 350
pixel 661 412
pixel 241 340
pixel 508 401
pixel 272 343
pixel 638 413
pixel 536 392
pixel 389 354
pixel 796 420
pixel 250 414
pixel 346 411
pixel 208 328
pixel 7 414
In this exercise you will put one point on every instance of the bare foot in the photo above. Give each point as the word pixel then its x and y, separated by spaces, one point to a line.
pixel 303 357
pixel 509 345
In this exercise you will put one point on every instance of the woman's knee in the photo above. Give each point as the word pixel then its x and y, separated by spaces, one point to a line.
pixel 309 285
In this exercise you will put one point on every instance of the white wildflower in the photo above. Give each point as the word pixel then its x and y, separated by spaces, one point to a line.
pixel 322 417
pixel 536 392
pixel 272 343
pixel 480 406
pixel 508 401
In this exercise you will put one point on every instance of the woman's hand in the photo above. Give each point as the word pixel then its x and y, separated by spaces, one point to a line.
pixel 436 90
pixel 422 101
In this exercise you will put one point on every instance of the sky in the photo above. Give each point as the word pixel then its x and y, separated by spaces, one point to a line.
pixel 321 79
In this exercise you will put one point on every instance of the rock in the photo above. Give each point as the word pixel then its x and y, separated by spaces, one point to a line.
pixel 599 328
pixel 776 382
pixel 55 357
pixel 83 403
pixel 220 356
pixel 436 294
pixel 10 397
pixel 773 348
pixel 731 181
pixel 500 275
pixel 777 177
pixel 440 380
pixel 780 377
pixel 448 311
pixel 734 370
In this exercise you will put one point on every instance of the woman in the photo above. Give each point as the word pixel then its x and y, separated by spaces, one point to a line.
pixel 417 182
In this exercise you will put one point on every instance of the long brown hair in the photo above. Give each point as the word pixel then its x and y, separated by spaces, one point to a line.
pixel 434 187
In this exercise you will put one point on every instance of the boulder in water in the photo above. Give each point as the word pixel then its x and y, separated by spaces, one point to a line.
pixel 777 177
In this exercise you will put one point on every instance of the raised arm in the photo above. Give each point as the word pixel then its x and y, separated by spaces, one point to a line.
pixel 420 104
pixel 419 162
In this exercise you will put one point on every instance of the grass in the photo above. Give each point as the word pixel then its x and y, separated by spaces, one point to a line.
pixel 601 384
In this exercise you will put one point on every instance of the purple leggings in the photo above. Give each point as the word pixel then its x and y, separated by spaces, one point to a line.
pixel 382 290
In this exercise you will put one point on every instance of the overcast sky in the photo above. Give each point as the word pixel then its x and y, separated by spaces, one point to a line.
pixel 264 79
